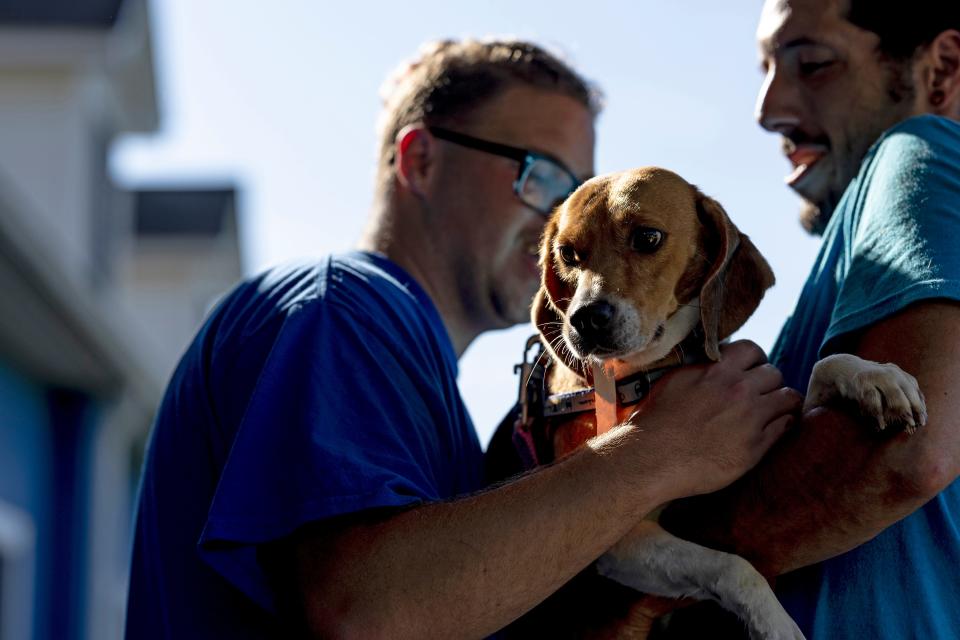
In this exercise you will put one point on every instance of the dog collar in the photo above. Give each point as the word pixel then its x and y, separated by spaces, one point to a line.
pixel 630 390
pixel 532 430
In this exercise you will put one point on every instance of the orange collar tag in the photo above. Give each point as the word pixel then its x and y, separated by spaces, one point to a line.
pixel 605 385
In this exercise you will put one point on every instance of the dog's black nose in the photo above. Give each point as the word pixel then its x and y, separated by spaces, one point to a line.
pixel 593 321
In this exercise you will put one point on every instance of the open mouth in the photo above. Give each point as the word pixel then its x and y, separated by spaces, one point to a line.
pixel 803 158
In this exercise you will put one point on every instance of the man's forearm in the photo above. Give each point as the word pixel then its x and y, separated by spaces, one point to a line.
pixel 832 483
pixel 468 567
pixel 827 487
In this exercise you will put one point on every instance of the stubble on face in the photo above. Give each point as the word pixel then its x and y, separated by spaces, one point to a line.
pixel 492 237
pixel 840 108
pixel 900 92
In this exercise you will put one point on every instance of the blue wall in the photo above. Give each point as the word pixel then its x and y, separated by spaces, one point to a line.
pixel 25 471
pixel 45 453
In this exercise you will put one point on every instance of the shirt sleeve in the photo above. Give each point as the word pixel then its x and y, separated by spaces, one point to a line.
pixel 902 244
pixel 338 422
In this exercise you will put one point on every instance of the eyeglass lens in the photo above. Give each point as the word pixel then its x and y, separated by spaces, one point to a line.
pixel 543 185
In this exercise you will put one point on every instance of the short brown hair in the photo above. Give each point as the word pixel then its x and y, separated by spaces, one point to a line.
pixel 450 78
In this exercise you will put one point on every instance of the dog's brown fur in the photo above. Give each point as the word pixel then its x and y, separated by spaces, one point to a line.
pixel 703 261
pixel 703 273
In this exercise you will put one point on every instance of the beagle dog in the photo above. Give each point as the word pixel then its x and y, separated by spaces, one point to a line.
pixel 639 268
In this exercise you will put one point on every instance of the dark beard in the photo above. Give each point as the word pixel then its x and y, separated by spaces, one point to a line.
pixel 900 90
pixel 813 219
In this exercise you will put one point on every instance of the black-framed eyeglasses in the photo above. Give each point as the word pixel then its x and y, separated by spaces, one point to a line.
pixel 542 182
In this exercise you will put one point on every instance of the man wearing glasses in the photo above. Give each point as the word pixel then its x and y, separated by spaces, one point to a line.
pixel 313 469
pixel 542 182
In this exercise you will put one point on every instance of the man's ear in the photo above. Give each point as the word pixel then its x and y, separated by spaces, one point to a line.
pixel 551 300
pixel 942 81
pixel 736 281
pixel 414 158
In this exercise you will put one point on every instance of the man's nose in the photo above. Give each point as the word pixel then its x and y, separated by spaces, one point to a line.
pixel 778 103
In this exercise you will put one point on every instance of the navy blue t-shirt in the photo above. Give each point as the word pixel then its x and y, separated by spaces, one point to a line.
pixel 312 391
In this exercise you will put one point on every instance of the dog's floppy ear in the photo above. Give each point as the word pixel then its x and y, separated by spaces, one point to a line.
pixel 736 282
pixel 552 298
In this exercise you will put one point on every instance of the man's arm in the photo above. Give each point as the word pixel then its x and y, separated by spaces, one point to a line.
pixel 467 567
pixel 832 483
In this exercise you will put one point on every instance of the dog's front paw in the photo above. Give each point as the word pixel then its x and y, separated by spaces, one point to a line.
pixel 891 396
pixel 885 393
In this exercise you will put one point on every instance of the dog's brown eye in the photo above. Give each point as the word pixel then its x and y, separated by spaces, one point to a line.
pixel 568 255
pixel 646 240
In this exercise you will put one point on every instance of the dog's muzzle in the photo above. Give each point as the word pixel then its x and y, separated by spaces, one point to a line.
pixel 591 326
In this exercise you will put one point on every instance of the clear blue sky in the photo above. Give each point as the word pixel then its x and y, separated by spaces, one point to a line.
pixel 281 97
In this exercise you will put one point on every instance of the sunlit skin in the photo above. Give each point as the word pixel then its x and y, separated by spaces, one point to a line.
pixel 831 485
pixel 829 93
pixel 465 235
pixel 452 568
pixel 488 233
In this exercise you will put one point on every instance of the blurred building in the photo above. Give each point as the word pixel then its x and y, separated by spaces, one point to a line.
pixel 101 288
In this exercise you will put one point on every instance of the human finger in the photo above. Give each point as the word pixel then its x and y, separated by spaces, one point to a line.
pixel 765 378
pixel 744 354
pixel 779 402
pixel 775 430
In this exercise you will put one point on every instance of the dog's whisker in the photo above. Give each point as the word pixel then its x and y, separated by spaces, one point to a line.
pixel 632 310
pixel 536 363
pixel 558 344
pixel 563 350
pixel 679 349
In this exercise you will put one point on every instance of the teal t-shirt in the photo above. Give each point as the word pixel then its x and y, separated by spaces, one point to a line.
pixel 892 241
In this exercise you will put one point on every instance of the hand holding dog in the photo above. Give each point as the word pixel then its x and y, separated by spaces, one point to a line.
pixel 709 424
